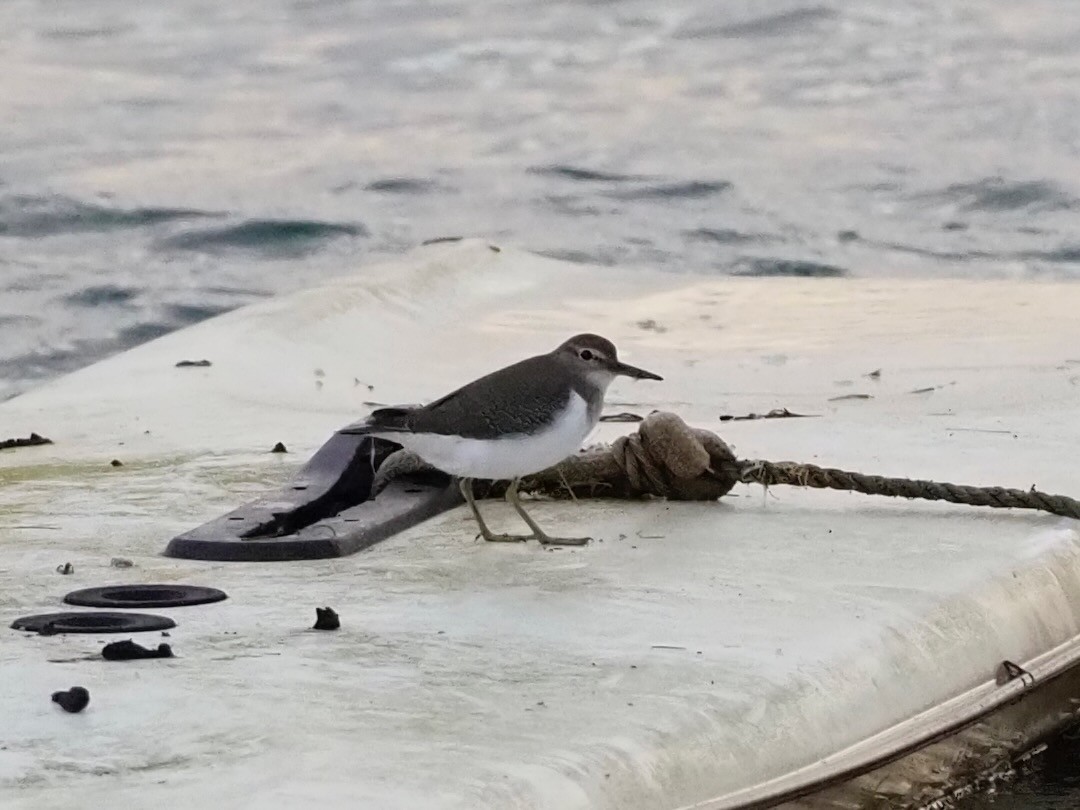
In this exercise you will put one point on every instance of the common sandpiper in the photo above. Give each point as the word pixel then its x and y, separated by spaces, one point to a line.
pixel 513 422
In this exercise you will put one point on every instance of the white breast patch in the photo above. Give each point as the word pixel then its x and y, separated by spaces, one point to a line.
pixel 508 457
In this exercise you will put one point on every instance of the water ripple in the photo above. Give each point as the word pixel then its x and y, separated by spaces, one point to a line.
pixel 724 236
pixel 998 194
pixel 35 216
pixel 403 185
pixel 267 237
pixel 689 190
pixel 577 256
pixel 1068 254
pixel 785 23
pixel 144 332
pixel 104 294
pixel 788 268
pixel 184 314
pixel 576 173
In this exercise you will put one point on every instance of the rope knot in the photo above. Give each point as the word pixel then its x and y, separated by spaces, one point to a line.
pixel 669 458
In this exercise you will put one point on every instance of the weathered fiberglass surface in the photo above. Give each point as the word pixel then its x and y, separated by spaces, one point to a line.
pixel 691 650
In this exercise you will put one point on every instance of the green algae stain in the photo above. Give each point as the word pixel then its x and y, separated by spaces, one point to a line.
pixel 178 487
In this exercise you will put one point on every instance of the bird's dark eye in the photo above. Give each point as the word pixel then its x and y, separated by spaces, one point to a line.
pixel 586 354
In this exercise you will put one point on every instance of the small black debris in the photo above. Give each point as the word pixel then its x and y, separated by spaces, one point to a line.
pixel 130 651
pixel 74 700
pixel 65 569
pixel 650 325
pixel 775 413
pixel 326 619
pixel 194 364
pixel 32 441
pixel 279 448
pixel 625 416
pixel 116 463
pixel 440 239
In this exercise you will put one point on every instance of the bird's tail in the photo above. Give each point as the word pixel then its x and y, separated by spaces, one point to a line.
pixel 381 420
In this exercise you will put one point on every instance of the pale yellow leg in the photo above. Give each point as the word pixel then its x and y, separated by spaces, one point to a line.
pixel 465 484
pixel 537 532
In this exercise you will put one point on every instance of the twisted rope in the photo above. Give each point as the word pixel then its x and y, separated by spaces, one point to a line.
pixel 770 473
pixel 668 458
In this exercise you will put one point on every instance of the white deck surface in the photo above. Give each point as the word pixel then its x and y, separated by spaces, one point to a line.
pixel 695 649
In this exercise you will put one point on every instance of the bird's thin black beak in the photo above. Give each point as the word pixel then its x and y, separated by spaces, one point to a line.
pixel 634 372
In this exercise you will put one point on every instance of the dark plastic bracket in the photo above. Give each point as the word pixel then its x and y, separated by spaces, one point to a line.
pixel 324 512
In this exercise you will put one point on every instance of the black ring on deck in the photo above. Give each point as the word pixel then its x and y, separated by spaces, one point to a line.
pixel 92 621
pixel 144 596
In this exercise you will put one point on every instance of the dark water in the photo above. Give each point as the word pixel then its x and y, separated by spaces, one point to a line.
pixel 1049 781
pixel 163 162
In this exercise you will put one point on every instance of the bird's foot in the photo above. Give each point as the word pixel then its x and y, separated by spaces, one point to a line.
pixel 545 540
pixel 506 538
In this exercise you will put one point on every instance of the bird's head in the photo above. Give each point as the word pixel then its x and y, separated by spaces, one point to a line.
pixel 596 358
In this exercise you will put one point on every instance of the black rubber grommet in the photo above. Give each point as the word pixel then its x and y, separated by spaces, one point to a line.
pixel 92 621
pixel 144 596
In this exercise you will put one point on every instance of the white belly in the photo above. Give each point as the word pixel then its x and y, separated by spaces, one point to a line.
pixel 508 457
